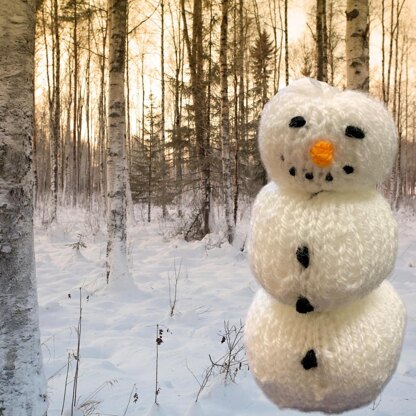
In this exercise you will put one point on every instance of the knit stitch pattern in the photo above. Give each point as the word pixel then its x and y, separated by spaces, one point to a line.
pixel 357 347
pixel 325 330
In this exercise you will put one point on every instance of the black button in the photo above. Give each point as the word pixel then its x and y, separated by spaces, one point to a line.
pixel 309 360
pixel 303 305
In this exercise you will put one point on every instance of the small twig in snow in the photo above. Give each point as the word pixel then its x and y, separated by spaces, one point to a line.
pixel 66 383
pixel 77 358
pixel 173 296
pixel 159 341
pixel 128 403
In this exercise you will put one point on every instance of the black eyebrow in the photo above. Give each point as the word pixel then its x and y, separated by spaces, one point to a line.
pixel 355 132
pixel 297 122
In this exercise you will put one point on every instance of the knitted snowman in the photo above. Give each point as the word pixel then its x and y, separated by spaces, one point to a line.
pixel 325 330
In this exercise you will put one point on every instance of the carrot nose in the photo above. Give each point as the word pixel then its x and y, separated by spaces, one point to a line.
pixel 322 153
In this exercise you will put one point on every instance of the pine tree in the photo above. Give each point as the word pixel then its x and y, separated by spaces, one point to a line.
pixel 261 58
pixel 147 176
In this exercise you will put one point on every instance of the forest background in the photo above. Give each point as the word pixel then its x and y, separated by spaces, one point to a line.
pixel 196 81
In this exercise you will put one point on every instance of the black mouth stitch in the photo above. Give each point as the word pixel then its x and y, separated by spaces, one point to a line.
pixel 317 193
pixel 313 195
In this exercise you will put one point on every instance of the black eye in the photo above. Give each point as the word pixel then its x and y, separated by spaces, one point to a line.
pixel 297 122
pixel 356 132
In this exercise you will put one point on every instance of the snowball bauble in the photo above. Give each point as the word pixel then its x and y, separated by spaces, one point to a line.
pixel 314 137
pixel 329 249
pixel 328 361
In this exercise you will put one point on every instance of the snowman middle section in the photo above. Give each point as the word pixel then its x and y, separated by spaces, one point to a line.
pixel 317 252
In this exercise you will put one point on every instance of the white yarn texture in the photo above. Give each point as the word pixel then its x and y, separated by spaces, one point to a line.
pixel 329 243
pixel 357 348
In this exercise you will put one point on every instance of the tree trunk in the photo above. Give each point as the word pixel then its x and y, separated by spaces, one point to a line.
pixel 205 150
pixel 35 169
pixel 241 120
pixel 80 149
pixel 117 269
pixel 357 46
pixel 143 98
pixel 332 41
pixel 321 42
pixel 50 97
pixel 176 131
pixel 201 113
pixel 196 59
pixel 286 31
pixel 413 155
pixel 150 165
pixel 53 101
pixel 394 36
pixel 75 114
pixel 128 120
pixel 88 117
pixel 56 136
pixel 392 31
pixel 22 383
pixel 162 106
pixel 383 51
pixel 225 123
pixel 128 147
pixel 102 119
pixel 398 103
pixel 279 58
pixel 67 139
pixel 273 19
pixel 406 123
pixel 239 97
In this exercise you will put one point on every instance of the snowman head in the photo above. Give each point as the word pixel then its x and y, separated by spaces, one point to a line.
pixel 314 138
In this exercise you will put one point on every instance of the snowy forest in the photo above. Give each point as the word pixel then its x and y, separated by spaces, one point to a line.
pixel 129 163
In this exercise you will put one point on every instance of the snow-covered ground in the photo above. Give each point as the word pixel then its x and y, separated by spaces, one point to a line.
pixel 118 347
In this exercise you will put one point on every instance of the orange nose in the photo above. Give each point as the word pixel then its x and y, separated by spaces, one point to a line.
pixel 322 153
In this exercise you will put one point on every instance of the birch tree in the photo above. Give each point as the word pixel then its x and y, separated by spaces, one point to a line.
pixel 225 123
pixel 357 46
pixel 102 131
pixel 88 109
pixel 162 104
pixel 239 110
pixel 22 387
pixel 116 157
pixel 56 100
pixel 76 149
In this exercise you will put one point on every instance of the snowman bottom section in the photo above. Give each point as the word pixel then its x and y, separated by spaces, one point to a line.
pixel 325 361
